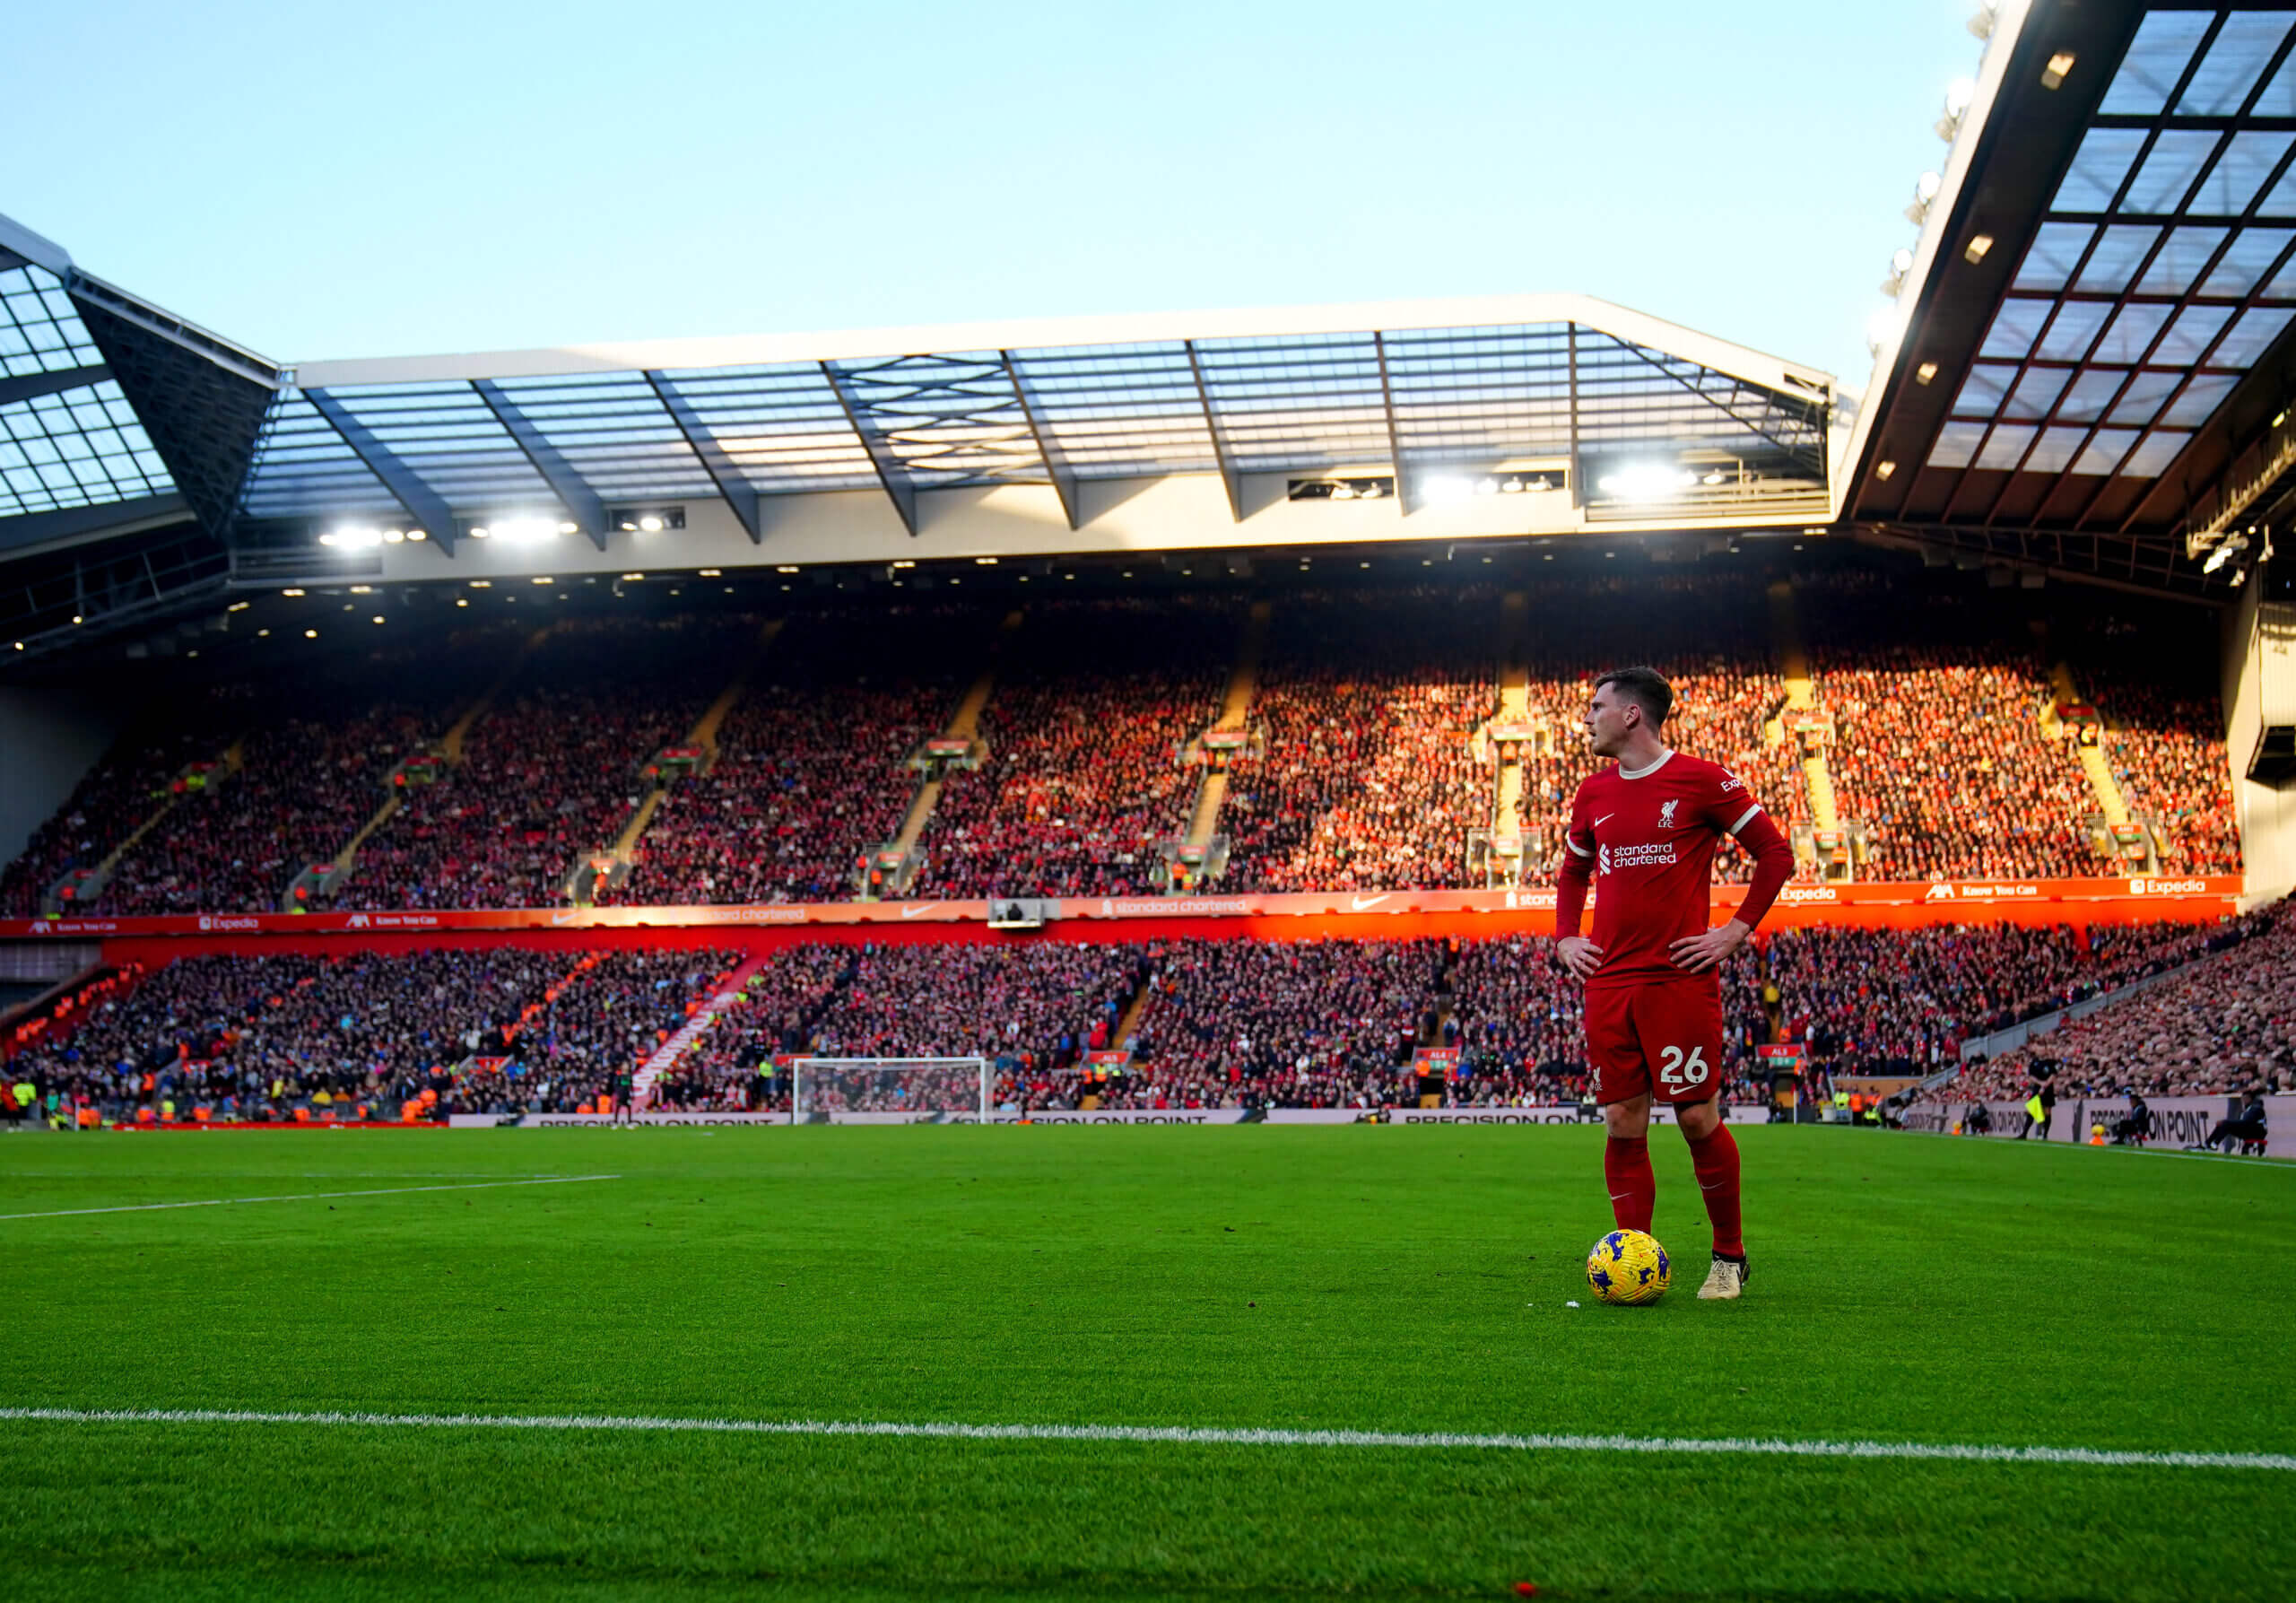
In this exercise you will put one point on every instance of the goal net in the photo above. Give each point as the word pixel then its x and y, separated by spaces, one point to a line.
pixel 889 1091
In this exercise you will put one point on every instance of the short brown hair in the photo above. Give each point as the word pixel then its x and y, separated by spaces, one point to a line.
pixel 1647 688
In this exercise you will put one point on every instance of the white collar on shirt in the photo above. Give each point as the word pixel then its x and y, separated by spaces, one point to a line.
pixel 1625 772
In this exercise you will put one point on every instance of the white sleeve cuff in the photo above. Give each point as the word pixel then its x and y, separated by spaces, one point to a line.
pixel 1574 846
pixel 1745 818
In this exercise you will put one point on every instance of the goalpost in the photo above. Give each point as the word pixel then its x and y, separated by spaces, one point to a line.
pixel 891 1090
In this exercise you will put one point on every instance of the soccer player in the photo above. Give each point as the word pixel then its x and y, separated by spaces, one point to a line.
pixel 1647 828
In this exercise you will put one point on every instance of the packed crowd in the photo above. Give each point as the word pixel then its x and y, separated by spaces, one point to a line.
pixel 1369 773
pixel 1288 1023
pixel 1709 637
pixel 735 1064
pixel 125 787
pixel 290 1037
pixel 304 789
pixel 551 774
pixel 2226 1023
pixel 1236 1023
pixel 811 764
pixel 1369 779
pixel 1939 755
pixel 1093 708
pixel 2166 747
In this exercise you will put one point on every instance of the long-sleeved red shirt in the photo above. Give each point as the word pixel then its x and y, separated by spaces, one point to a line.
pixel 1650 837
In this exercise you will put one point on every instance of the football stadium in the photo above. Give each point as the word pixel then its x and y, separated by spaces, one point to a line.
pixel 561 907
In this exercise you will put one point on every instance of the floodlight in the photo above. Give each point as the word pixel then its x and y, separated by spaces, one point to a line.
pixel 2053 75
pixel 1646 481
pixel 1343 493
pixel 1444 488
pixel 526 530
pixel 1370 492
pixel 651 523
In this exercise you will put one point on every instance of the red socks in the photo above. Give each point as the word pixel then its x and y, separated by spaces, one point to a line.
pixel 1715 1160
pixel 1634 1190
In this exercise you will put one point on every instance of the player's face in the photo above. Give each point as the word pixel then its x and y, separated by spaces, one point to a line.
pixel 1610 718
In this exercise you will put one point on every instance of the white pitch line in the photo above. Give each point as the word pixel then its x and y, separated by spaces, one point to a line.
pixel 145 1207
pixel 1187 1435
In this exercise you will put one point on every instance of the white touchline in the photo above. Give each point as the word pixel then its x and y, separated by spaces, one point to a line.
pixel 145 1207
pixel 1184 1435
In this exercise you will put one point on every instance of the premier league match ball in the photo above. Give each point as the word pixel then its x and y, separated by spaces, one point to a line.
pixel 1627 1267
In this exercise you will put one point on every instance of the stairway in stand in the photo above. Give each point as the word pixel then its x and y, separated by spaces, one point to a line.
pixel 666 1056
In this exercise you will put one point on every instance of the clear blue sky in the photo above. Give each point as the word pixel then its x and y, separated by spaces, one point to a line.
pixel 335 181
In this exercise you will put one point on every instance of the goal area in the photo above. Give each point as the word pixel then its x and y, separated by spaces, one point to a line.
pixel 890 1091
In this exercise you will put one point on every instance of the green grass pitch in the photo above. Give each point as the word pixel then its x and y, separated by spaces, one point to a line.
pixel 1405 1279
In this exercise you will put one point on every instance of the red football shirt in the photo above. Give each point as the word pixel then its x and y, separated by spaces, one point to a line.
pixel 1648 839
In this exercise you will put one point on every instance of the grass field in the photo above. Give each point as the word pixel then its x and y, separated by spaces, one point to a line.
pixel 1905 1289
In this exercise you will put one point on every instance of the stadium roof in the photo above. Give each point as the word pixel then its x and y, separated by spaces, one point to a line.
pixel 1421 389
pixel 2097 342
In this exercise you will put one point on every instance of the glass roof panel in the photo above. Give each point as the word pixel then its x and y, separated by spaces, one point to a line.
pixel 2036 392
pixel 2054 252
pixel 2243 48
pixel 2251 336
pixel 2120 250
pixel 2239 173
pixel 2105 451
pixel 2279 200
pixel 2007 447
pixel 1956 445
pixel 2102 161
pixel 2279 97
pixel 2072 331
pixel 1982 390
pixel 2055 450
pixel 2165 42
pixel 77 448
pixel 2176 159
pixel 2015 328
pixel 2201 397
pixel 2143 397
pixel 2181 256
pixel 2130 332
pixel 2151 457
pixel 2191 334
pixel 2250 255
pixel 40 332
pixel 2087 397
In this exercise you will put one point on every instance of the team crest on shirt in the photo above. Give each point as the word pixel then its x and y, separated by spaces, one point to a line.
pixel 1666 815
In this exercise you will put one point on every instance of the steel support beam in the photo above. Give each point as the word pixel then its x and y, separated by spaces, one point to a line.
pixel 582 503
pixel 889 473
pixel 736 491
pixel 1395 435
pixel 49 384
pixel 1229 476
pixel 1056 464
pixel 425 505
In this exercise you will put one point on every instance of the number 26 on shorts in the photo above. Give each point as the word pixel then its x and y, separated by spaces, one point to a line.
pixel 1677 1072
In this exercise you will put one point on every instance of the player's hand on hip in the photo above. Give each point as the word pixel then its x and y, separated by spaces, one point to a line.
pixel 1699 953
pixel 1580 955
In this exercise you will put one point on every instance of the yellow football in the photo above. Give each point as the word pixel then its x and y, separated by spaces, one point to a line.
pixel 1627 1267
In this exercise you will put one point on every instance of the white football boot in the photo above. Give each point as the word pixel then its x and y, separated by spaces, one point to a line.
pixel 1726 1280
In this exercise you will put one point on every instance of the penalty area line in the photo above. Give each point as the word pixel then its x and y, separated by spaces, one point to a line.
pixel 1186 1436
pixel 146 1207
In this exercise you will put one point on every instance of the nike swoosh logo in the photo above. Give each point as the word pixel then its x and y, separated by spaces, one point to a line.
pixel 564 917
pixel 1715 1187
pixel 1361 902
pixel 1620 1196
pixel 911 909
pixel 1604 819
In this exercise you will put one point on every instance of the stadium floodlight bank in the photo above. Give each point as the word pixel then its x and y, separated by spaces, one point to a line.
pixel 895 1090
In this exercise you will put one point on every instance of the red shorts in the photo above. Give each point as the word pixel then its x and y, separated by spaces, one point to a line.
pixel 1659 1036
